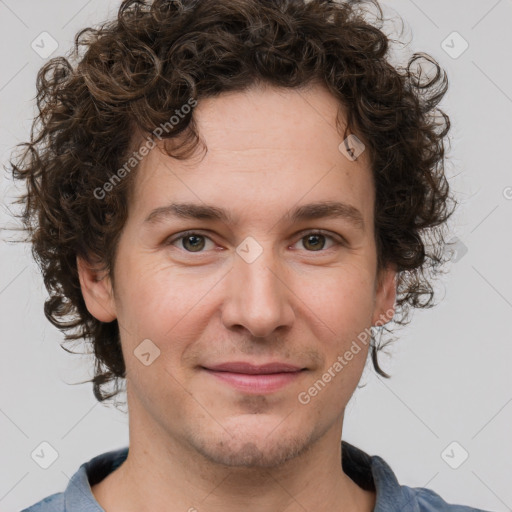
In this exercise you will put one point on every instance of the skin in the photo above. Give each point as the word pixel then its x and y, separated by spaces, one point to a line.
pixel 196 441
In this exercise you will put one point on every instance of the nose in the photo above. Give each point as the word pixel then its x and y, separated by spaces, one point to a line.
pixel 257 296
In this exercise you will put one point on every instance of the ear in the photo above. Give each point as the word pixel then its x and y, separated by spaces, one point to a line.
pixel 385 296
pixel 97 291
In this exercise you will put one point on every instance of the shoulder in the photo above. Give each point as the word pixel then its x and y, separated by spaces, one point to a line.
pixel 373 473
pixel 426 500
pixel 78 496
pixel 52 503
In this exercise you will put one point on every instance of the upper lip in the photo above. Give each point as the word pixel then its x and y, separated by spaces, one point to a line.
pixel 248 368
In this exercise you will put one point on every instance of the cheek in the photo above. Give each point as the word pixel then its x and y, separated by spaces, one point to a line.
pixel 341 304
pixel 162 303
pixel 343 298
pixel 166 314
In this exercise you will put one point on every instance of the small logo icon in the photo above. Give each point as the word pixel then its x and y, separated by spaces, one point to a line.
pixel 454 455
pixel 454 45
pixel 44 45
pixel 249 250
pixel 507 193
pixel 44 455
pixel 456 249
pixel 146 352
pixel 351 147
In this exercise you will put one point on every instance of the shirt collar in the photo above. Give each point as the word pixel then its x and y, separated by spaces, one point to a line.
pixel 78 496
pixel 373 473
pixel 369 472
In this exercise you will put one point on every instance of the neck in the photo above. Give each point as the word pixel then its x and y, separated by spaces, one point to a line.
pixel 165 473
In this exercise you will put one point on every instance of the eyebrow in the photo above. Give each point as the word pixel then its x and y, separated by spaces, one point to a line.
pixel 319 210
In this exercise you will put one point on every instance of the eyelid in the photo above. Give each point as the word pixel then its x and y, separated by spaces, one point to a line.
pixel 336 238
pixel 183 234
pixel 329 234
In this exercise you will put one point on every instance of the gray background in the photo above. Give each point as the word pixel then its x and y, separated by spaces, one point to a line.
pixel 451 378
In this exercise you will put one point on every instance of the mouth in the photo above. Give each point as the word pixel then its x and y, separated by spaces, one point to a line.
pixel 255 379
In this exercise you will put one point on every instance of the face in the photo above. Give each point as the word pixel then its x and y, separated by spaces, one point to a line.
pixel 262 277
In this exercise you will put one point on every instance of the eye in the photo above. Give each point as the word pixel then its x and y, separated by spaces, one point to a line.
pixel 315 241
pixel 191 241
pixel 195 242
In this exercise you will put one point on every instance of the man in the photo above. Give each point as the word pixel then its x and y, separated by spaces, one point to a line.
pixel 231 197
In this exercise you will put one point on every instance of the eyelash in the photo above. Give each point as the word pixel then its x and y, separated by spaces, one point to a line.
pixel 338 240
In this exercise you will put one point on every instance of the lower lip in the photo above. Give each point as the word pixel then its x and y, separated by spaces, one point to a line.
pixel 256 383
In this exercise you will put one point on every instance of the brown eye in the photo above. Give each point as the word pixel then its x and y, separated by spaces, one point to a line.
pixel 193 243
pixel 315 242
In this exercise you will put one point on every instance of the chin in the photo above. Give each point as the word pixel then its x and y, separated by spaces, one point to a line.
pixel 258 445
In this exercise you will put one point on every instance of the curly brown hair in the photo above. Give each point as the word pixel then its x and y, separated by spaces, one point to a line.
pixel 130 75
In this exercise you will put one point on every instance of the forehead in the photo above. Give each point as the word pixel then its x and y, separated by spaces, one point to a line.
pixel 267 148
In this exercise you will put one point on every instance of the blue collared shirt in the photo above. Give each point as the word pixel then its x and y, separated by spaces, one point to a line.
pixel 369 472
